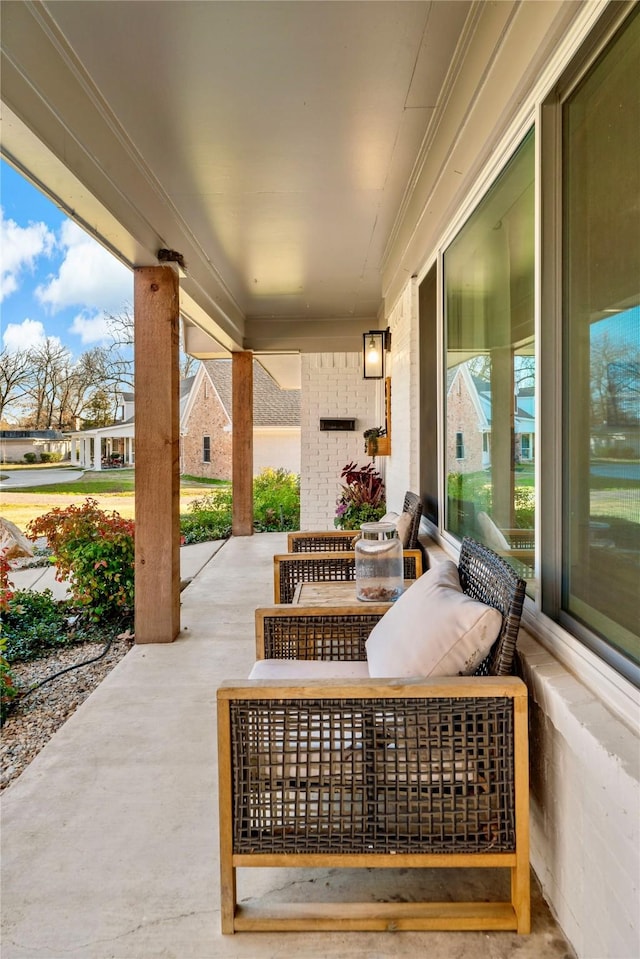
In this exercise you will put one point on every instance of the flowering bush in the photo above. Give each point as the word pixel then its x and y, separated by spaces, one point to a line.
pixel 94 551
pixel 362 499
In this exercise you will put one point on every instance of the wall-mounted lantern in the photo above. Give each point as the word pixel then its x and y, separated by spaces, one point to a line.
pixel 375 345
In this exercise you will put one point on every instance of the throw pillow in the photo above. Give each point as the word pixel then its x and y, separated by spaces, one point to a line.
pixel 433 629
pixel 403 526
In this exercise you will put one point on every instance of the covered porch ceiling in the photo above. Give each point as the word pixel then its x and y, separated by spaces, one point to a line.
pixel 273 144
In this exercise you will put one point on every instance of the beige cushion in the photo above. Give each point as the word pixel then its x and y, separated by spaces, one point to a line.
pixel 403 526
pixel 275 669
pixel 491 535
pixel 433 629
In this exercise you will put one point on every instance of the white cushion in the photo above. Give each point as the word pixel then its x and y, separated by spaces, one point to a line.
pixel 491 535
pixel 389 518
pixel 403 526
pixel 274 669
pixel 433 629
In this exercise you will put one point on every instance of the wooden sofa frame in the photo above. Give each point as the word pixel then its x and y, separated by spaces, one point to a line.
pixel 379 773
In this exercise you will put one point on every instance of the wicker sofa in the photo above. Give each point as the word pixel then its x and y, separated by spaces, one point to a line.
pixel 410 773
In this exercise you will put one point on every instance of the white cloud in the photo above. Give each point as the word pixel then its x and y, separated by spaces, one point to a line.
pixel 21 246
pixel 89 276
pixel 91 329
pixel 26 335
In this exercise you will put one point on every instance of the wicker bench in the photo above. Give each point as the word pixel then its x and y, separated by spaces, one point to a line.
pixel 379 773
pixel 289 569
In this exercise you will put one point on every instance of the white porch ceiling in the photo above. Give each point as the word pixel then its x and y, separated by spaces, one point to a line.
pixel 271 143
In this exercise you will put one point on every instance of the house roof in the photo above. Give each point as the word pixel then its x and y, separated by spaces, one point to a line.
pixel 272 406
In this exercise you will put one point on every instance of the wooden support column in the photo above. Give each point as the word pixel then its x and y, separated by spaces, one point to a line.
pixel 242 443
pixel 157 419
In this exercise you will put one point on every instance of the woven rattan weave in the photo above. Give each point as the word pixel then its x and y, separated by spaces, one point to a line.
pixel 373 776
pixel 293 568
pixel 306 634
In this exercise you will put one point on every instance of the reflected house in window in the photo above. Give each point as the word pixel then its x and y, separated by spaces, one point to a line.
pixel 469 421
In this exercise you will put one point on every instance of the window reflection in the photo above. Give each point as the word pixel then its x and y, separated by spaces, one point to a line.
pixel 490 395
pixel 601 356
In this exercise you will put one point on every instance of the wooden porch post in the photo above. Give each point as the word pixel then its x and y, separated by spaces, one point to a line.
pixel 242 443
pixel 157 425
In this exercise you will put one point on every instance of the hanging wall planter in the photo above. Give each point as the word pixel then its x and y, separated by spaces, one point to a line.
pixel 377 440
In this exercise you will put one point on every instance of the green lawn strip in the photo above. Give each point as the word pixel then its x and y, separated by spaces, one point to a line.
pixel 119 482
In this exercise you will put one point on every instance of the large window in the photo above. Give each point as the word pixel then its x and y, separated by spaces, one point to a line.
pixel 490 368
pixel 601 350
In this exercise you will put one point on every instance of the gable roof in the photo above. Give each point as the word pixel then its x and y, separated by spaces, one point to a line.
pixel 272 406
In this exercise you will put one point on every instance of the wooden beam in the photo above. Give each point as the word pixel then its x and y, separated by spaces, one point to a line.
pixel 242 443
pixel 157 425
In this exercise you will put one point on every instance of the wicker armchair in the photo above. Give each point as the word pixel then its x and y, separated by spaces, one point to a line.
pixel 379 773
pixel 305 632
pixel 342 540
pixel 289 569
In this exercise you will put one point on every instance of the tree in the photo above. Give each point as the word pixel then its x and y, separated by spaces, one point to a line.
pixel 121 326
pixel 98 411
pixel 57 388
pixel 15 371
pixel 614 369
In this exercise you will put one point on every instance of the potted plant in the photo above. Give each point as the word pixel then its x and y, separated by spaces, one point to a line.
pixel 362 497
pixel 371 439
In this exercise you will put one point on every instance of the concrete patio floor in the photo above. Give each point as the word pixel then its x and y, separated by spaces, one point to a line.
pixel 110 836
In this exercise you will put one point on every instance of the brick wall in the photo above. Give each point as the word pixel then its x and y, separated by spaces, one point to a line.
pixel 462 417
pixel 403 365
pixel 332 387
pixel 207 419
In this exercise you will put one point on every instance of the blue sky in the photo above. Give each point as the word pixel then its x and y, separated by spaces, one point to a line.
pixel 56 281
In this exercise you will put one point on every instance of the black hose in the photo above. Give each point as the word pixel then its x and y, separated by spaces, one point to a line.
pixel 67 669
pixel 49 679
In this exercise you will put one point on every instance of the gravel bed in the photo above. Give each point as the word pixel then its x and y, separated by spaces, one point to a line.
pixel 33 721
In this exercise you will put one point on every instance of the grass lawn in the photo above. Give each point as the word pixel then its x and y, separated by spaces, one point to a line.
pixel 113 489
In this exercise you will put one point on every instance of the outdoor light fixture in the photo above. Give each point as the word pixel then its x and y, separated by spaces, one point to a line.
pixel 375 344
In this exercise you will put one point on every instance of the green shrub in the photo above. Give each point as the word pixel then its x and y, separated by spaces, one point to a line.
pixel 30 458
pixel 50 457
pixel 33 624
pixel 276 500
pixel 276 506
pixel 203 527
pixel 8 691
pixel 524 502
pixel 94 551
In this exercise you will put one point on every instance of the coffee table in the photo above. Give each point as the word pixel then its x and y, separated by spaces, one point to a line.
pixel 333 594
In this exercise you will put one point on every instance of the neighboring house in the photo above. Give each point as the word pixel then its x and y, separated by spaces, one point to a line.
pixel 15 443
pixel 469 420
pixel 206 423
pixel 107 446
pixel 205 426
